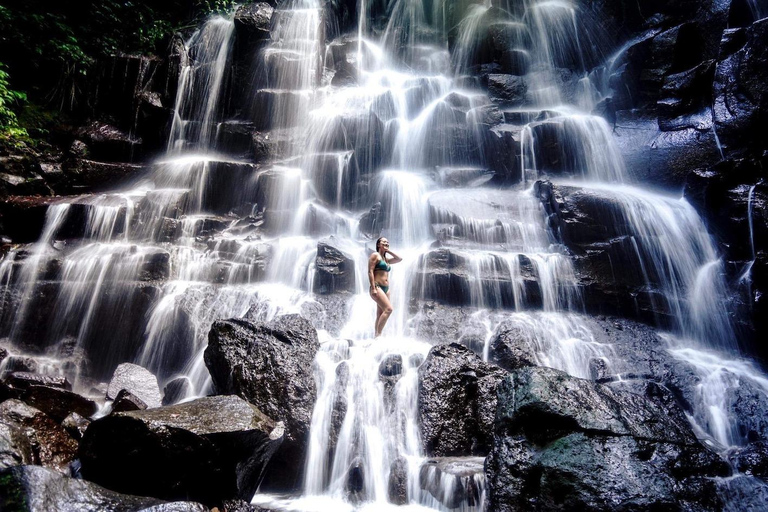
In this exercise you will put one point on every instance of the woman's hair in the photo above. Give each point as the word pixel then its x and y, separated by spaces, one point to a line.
pixel 378 242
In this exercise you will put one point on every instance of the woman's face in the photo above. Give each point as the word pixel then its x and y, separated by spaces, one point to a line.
pixel 384 244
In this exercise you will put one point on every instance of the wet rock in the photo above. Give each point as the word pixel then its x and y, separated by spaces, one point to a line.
pixel 109 143
pixel 51 445
pixel 15 448
pixel 457 401
pixel 76 425
pixel 662 158
pixel 598 370
pixel 208 449
pixel 398 482
pixel 56 402
pixel 253 21
pixel 138 381
pixel 237 138
pixel 274 363
pixel 334 269
pixel 239 506
pixel 25 380
pixel 454 482
pixel 753 459
pixel 511 348
pixel 686 98
pixel 507 90
pixel 125 401
pixel 89 175
pixel 448 276
pixel 177 390
pixel 740 94
pixel 594 227
pixel 39 489
pixel 562 441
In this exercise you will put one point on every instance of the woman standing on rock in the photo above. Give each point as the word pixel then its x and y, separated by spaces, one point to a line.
pixel 379 266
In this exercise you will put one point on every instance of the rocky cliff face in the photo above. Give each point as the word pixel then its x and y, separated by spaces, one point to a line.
pixel 529 269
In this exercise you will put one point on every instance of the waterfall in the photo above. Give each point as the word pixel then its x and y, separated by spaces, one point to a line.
pixel 393 149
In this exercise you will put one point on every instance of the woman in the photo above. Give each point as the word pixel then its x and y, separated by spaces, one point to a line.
pixel 379 266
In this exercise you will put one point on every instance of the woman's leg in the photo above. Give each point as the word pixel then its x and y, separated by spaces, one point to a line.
pixel 382 299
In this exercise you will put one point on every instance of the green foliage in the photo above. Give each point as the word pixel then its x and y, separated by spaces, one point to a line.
pixel 50 46
pixel 10 101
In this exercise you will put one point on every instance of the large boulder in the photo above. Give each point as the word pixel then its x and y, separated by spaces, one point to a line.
pixel 271 365
pixel 563 443
pixel 208 450
pixel 136 380
pixel 36 489
pixel 457 401
pixel 50 444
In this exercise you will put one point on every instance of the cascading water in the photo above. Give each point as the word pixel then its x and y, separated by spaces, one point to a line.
pixel 207 236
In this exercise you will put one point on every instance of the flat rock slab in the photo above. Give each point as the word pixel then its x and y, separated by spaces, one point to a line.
pixel 37 489
pixel 209 449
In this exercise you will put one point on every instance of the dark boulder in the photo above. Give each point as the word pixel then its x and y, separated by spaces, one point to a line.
pixel 511 348
pixel 56 402
pixel 36 489
pixel 507 90
pixel 567 443
pixel 270 365
pixel 253 21
pixel 334 270
pixel 457 401
pixel 138 381
pixel 25 380
pixel 125 401
pixel 208 449
pixel 51 445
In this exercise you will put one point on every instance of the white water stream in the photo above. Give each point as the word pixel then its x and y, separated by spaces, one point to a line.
pixel 206 236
